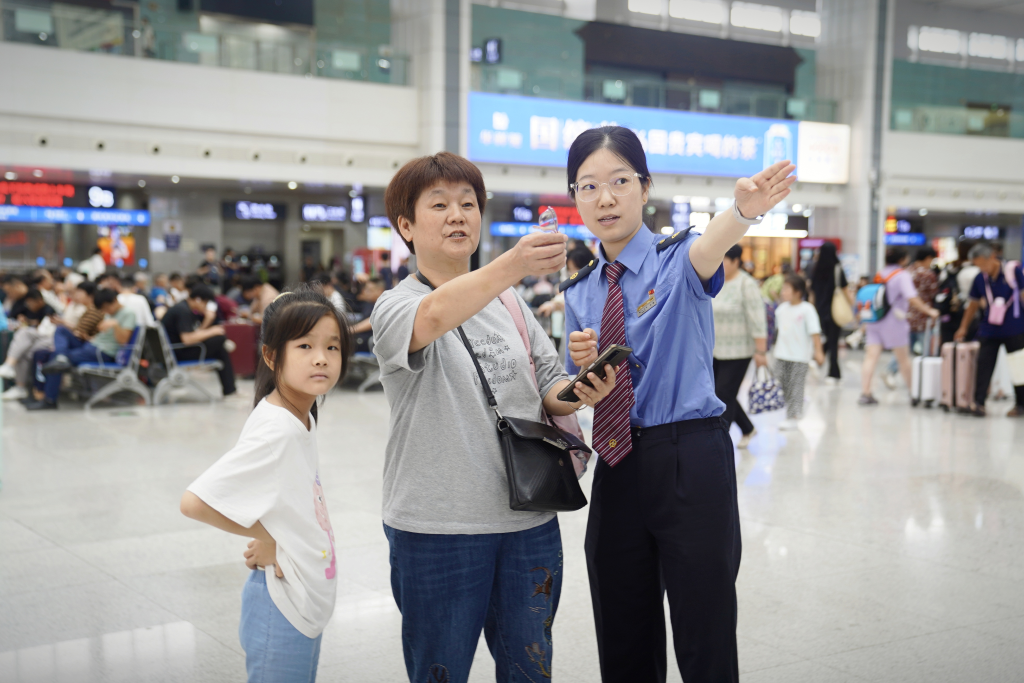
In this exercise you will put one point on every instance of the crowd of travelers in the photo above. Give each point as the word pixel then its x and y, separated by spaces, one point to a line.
pixel 53 321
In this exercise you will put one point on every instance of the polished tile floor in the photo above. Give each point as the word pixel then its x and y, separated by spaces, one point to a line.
pixel 880 544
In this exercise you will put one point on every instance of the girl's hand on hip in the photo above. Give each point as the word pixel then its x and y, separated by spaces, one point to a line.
pixel 601 388
pixel 262 554
pixel 757 195
pixel 583 347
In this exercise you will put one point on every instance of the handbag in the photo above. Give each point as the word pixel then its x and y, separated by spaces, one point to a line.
pixel 566 423
pixel 538 457
pixel 842 314
pixel 765 393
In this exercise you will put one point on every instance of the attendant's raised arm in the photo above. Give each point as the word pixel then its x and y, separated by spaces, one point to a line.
pixel 754 197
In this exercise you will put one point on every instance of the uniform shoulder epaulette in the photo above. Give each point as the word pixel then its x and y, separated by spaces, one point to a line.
pixel 581 274
pixel 667 242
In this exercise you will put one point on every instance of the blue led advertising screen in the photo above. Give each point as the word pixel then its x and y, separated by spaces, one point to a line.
pixel 511 129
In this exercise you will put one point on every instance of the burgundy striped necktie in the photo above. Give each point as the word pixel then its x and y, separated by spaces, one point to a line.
pixel 611 415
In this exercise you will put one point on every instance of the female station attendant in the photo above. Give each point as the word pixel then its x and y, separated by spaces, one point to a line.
pixel 663 513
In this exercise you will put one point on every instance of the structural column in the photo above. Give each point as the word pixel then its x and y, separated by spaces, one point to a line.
pixel 854 67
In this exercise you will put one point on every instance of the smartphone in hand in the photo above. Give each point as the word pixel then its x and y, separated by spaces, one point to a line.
pixel 614 356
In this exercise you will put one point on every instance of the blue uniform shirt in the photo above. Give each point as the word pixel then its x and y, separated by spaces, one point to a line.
pixel 672 340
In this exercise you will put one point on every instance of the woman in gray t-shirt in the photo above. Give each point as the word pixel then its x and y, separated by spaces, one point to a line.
pixel 461 559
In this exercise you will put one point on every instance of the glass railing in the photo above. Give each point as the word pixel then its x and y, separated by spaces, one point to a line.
pixel 249 46
pixel 988 122
pixel 733 100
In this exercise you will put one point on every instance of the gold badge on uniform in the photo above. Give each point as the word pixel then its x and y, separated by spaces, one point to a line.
pixel 647 305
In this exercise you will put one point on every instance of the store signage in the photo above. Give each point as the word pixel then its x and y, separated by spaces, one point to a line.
pixel 378 238
pixel 523 214
pixel 29 214
pixel 322 213
pixel 511 129
pixel 984 232
pixel 908 239
pixel 379 222
pixel 358 214
pixel 254 211
pixel 55 195
pixel 519 229
pixel 492 51
pixel 101 197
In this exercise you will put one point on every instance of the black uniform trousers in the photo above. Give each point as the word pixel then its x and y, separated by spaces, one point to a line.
pixel 214 351
pixel 666 519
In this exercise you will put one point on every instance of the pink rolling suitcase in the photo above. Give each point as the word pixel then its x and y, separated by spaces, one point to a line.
pixel 959 370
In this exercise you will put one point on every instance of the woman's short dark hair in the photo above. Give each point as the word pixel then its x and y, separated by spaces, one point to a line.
pixel 735 252
pixel 925 253
pixel 798 284
pixel 290 316
pixel 88 287
pixel 895 255
pixel 409 183
pixel 620 141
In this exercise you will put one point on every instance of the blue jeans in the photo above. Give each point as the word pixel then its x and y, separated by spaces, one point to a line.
pixel 64 340
pixel 50 384
pixel 450 586
pixel 275 651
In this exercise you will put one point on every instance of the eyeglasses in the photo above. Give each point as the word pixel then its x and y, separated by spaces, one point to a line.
pixel 620 186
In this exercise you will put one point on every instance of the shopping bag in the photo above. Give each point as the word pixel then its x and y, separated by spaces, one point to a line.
pixel 765 393
pixel 1015 361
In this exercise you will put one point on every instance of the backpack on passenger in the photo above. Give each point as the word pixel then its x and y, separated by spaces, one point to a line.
pixel 872 300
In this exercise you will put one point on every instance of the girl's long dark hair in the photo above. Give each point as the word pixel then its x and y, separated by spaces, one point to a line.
pixel 824 274
pixel 291 316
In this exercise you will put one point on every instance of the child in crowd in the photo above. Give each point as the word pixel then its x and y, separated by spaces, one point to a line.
pixel 268 488
pixel 799 330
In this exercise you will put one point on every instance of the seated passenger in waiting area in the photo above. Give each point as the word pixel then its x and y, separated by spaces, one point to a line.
pixel 361 330
pixel 136 303
pixel 34 318
pixel 188 322
pixel 115 329
pixel 258 296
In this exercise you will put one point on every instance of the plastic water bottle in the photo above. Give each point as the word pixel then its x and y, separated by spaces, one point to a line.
pixel 548 220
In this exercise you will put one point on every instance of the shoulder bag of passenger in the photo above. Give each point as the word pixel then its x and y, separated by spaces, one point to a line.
pixel 566 423
pixel 538 457
pixel 842 314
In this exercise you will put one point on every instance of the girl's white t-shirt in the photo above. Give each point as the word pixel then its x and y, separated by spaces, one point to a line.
pixel 796 325
pixel 271 476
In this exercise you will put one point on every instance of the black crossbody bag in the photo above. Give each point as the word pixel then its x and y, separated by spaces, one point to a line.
pixel 538 457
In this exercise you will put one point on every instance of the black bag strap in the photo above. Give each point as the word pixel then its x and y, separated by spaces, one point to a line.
pixel 491 401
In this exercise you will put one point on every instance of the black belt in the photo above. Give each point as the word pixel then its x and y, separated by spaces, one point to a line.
pixel 673 430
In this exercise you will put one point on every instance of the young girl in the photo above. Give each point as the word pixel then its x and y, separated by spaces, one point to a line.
pixel 798 329
pixel 268 488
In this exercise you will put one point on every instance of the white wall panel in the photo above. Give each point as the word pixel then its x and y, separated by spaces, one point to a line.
pixel 347 131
